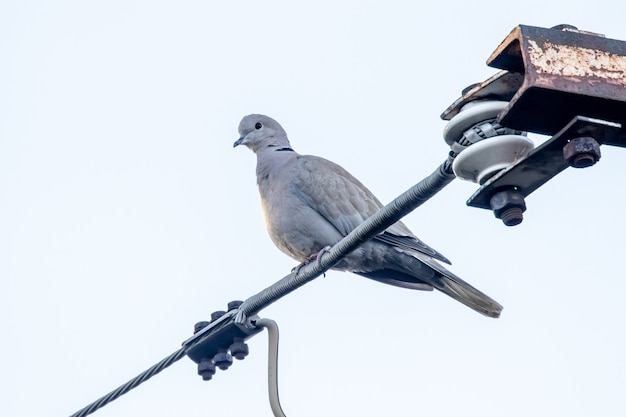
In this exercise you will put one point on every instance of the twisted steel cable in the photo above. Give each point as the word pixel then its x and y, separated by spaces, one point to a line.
pixel 133 383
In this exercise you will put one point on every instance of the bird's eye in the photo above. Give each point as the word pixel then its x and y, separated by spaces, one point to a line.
pixel 258 125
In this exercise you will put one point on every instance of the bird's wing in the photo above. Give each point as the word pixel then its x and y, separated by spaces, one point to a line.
pixel 410 243
pixel 345 202
pixel 333 192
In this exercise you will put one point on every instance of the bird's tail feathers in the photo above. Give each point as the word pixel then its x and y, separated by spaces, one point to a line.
pixel 453 286
pixel 470 296
pixel 398 279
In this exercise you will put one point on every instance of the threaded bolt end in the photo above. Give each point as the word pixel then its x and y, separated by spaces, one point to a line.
pixel 512 216
pixel 199 326
pixel 584 160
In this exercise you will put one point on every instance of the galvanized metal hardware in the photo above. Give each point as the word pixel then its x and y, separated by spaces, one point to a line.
pixel 215 343
pixel 206 369
pixel 562 82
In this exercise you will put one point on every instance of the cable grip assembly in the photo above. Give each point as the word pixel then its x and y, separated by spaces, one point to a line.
pixel 215 343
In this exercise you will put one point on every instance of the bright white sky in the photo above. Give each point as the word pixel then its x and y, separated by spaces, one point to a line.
pixel 126 216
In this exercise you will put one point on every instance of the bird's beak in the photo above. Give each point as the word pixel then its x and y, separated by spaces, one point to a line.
pixel 238 142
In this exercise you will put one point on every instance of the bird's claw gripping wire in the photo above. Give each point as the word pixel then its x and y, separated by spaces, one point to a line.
pixel 318 259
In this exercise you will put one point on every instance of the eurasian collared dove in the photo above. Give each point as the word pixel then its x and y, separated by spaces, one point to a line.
pixel 310 203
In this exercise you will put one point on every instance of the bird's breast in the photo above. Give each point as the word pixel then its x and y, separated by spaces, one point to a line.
pixel 295 228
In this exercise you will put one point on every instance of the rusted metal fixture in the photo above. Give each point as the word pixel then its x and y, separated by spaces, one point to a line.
pixel 501 86
pixel 582 152
pixel 563 82
pixel 567 73
pixel 551 76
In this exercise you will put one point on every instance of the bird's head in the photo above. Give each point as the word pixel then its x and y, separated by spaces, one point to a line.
pixel 259 132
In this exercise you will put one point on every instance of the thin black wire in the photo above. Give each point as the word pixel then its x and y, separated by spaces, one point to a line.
pixel 133 383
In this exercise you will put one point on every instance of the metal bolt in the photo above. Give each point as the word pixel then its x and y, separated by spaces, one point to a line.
pixel 234 304
pixel 217 314
pixel 469 88
pixel 199 326
pixel 508 205
pixel 582 152
pixel 223 359
pixel 512 216
pixel 239 349
pixel 206 369
pixel 564 27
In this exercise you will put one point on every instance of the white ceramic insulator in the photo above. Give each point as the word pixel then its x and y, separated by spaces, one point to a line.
pixel 471 114
pixel 477 163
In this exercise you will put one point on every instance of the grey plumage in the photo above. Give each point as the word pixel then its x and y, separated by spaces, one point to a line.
pixel 309 203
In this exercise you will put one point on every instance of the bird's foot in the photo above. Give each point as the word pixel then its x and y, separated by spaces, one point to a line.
pixel 298 267
pixel 317 256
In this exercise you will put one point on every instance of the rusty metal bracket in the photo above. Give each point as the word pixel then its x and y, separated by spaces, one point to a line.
pixel 551 76
pixel 566 73
pixel 562 82
pixel 545 161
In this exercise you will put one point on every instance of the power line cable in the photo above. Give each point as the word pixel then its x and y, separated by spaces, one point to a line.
pixel 133 383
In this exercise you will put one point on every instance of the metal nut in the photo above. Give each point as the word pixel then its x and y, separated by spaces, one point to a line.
pixel 582 152
pixel 508 205
pixel 239 349
pixel 199 326
pixel 206 369
pixel 234 305
pixel 217 314
pixel 223 360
